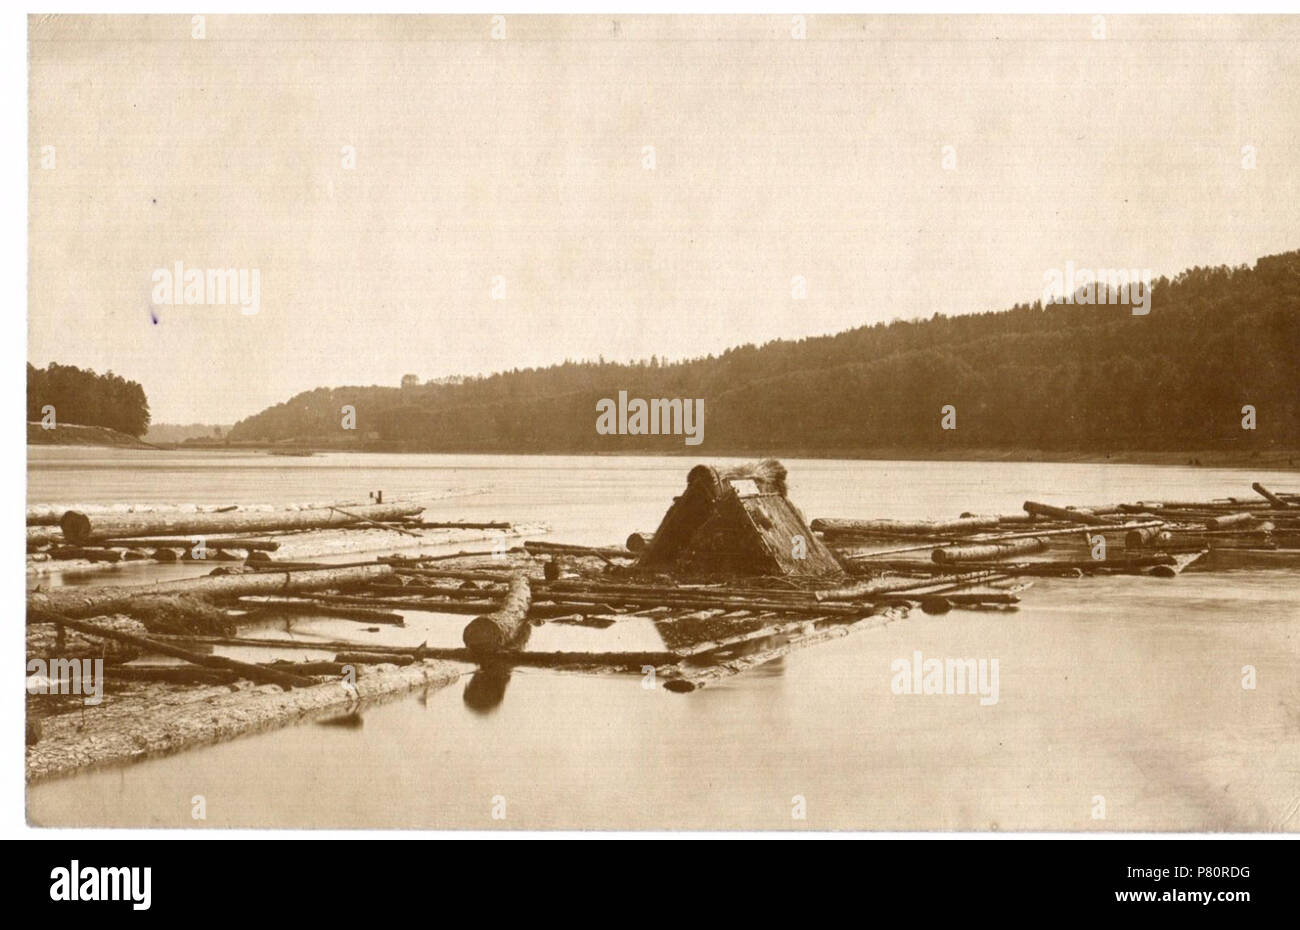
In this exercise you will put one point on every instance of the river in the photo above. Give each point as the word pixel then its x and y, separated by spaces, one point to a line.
pixel 1120 704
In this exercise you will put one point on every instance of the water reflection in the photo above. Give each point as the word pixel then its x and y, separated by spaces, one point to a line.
pixel 349 721
pixel 486 688
pixel 823 723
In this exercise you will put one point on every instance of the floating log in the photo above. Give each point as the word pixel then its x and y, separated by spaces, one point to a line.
pixel 67 553
pixel 1229 519
pixel 944 584
pixel 830 527
pixel 263 545
pixel 80 527
pixel 1066 515
pixel 43 536
pixel 451 594
pixel 600 552
pixel 1129 564
pixel 429 605
pixel 373 658
pixel 575 586
pixel 860 589
pixel 758 605
pixel 107 599
pixel 458 575
pixel 975 552
pixel 462 525
pixel 1270 496
pixel 252 672
pixel 372 523
pixel 172 674
pixel 495 632
pixel 311 667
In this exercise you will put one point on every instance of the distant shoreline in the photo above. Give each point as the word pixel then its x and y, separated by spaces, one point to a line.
pixel 74 434
pixel 1274 459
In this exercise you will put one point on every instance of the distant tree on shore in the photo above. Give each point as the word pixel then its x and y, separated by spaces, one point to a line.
pixel 82 397
pixel 1091 377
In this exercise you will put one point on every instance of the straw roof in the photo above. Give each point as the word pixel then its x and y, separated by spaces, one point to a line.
pixel 737 520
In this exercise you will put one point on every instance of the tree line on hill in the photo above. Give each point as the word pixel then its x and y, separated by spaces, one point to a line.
pixel 81 397
pixel 1061 376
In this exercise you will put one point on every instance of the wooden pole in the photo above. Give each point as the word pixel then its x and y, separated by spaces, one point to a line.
pixel 182 542
pixel 830 527
pixel 977 552
pixel 257 673
pixel 1064 531
pixel 1270 496
pixel 1069 516
pixel 381 526
pixel 107 599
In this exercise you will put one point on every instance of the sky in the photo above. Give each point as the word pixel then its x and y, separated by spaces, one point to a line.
pixel 419 197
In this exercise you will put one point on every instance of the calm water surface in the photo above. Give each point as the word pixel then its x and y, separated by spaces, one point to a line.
pixel 1123 689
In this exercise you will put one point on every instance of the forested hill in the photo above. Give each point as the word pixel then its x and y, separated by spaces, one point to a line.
pixel 1061 377
pixel 68 395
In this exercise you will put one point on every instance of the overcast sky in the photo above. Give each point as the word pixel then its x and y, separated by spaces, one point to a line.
pixel 525 158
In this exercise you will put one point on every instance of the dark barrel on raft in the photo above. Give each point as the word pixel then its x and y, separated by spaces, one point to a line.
pixel 501 629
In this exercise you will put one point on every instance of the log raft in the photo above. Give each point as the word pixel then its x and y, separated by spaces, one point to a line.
pixel 258 673
pixel 108 599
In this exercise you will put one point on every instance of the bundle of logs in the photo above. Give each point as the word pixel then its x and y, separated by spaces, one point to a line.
pixel 702 625
pixel 222 534
pixel 1144 537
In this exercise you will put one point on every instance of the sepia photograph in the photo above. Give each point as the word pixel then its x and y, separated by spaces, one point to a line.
pixel 688 423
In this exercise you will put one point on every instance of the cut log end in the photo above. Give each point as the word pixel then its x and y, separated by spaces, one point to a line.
pixel 503 629
pixel 483 635
pixel 75 526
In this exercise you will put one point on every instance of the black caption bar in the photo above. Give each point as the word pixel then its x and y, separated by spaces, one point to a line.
pixel 328 878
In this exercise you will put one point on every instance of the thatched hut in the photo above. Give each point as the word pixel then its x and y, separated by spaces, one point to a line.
pixel 737 521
